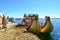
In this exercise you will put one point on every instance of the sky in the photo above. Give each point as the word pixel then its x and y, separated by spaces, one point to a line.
pixel 17 8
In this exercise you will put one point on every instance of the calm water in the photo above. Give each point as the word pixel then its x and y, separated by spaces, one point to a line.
pixel 56 23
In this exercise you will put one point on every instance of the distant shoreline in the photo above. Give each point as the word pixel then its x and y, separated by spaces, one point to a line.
pixel 39 18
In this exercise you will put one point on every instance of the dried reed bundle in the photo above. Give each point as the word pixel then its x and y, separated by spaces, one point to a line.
pixel 14 33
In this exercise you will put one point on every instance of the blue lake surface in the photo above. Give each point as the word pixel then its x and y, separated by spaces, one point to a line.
pixel 56 25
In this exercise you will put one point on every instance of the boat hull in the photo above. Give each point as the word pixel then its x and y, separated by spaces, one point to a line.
pixel 47 28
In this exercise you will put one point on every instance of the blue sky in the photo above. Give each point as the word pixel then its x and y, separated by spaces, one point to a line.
pixel 17 8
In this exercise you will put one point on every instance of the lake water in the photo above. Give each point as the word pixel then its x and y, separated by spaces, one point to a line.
pixel 56 25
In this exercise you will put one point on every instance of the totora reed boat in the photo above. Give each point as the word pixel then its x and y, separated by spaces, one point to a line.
pixel 33 25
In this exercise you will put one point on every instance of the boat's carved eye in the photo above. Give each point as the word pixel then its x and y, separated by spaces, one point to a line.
pixel 27 20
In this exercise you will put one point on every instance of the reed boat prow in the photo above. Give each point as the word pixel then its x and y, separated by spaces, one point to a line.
pixel 48 26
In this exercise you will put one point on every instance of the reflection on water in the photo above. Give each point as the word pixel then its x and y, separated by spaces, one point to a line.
pixel 45 36
pixel 55 34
